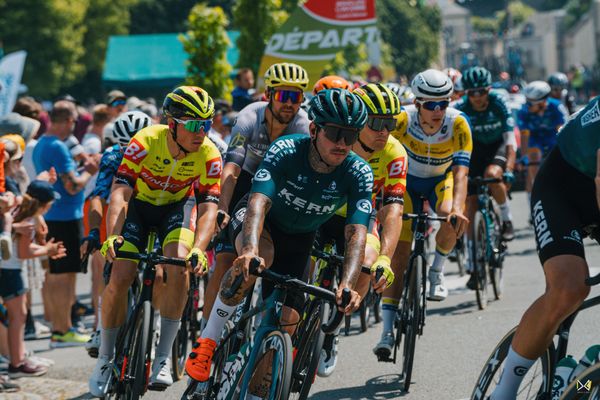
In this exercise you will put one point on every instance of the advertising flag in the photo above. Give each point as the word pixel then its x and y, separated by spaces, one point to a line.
pixel 11 71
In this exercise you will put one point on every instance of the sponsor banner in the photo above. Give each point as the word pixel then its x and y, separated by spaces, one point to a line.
pixel 318 30
pixel 11 71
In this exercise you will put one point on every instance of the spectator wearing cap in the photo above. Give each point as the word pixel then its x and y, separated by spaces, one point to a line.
pixel 244 92
pixel 64 220
pixel 117 105
pixel 13 288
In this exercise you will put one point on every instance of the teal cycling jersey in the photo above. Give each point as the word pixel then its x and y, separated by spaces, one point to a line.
pixel 488 126
pixel 579 139
pixel 303 199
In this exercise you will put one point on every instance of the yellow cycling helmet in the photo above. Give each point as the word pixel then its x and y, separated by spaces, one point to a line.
pixel 18 139
pixel 379 99
pixel 286 74
pixel 189 101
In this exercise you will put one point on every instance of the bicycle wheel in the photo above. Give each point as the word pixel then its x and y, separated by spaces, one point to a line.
pixel 138 367
pixel 495 264
pixel 479 258
pixel 308 347
pixel 411 306
pixel 460 253
pixel 536 384
pixel 276 346
pixel 365 309
pixel 181 344
pixel 586 386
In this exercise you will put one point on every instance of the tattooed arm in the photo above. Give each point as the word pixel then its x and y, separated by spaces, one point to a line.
pixel 74 184
pixel 356 237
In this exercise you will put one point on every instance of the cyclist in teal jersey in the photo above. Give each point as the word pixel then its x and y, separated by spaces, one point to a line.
pixel 565 204
pixel 298 186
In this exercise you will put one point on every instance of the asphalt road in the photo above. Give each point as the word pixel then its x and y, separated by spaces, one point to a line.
pixel 449 356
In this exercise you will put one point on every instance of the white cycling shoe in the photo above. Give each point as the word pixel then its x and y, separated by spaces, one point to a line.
pixel 98 382
pixel 161 377
pixel 328 358
pixel 437 290
pixel 93 345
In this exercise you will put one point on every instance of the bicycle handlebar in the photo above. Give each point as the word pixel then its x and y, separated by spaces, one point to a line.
pixel 593 280
pixel 422 216
pixel 153 258
pixel 478 180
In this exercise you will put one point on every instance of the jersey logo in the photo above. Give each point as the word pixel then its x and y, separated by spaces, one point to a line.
pixel 591 116
pixel 262 175
pixel 364 206
pixel 397 168
pixel 213 168
pixel 135 152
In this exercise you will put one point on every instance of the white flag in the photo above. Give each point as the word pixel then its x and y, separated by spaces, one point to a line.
pixel 11 71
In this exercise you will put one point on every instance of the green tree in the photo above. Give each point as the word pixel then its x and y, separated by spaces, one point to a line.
pixel 52 33
pixel 411 32
pixel 257 21
pixel 160 16
pixel 206 43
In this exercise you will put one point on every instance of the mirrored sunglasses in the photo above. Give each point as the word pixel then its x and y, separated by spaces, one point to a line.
pixel 477 92
pixel 379 124
pixel 283 96
pixel 117 103
pixel 195 125
pixel 335 133
pixel 434 105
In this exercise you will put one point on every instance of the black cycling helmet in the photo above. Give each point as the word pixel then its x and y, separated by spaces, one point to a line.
pixel 476 78
pixel 339 107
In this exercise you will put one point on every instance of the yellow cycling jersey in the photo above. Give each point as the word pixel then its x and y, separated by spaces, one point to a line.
pixel 389 173
pixel 433 155
pixel 157 178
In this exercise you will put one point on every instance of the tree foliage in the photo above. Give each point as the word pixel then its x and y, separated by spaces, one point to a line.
pixel 516 13
pixel 160 16
pixel 257 21
pixel 206 43
pixel 575 10
pixel 411 32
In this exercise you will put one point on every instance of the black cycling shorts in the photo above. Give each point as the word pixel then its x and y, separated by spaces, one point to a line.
pixel 292 253
pixel 563 204
pixel 173 222
pixel 484 155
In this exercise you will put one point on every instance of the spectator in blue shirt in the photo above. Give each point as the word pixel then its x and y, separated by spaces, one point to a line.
pixel 244 91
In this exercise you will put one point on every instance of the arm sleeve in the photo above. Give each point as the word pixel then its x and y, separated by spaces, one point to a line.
pixel 133 158
pixel 562 115
pixel 359 203
pixel 395 180
pixel 508 125
pixel 240 136
pixel 463 145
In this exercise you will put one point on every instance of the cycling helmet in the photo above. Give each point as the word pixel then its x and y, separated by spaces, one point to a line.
pixel 127 125
pixel 432 84
pixel 536 91
pixel 339 107
pixel 458 85
pixel 558 79
pixel 286 74
pixel 476 78
pixel 379 99
pixel 189 101
pixel 404 93
pixel 453 74
pixel 330 82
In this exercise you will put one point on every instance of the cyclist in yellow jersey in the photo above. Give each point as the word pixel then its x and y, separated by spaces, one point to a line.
pixel 168 180
pixel 388 161
pixel 437 140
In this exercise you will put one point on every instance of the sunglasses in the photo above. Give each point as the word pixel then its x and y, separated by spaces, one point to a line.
pixel 283 96
pixel 195 125
pixel 531 103
pixel 556 88
pixel 434 105
pixel 335 133
pixel 379 124
pixel 477 92
pixel 117 103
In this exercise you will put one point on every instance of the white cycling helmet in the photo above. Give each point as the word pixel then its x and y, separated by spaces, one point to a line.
pixel 127 125
pixel 432 84
pixel 404 93
pixel 536 91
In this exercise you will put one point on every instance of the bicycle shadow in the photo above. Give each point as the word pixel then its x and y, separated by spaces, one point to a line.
pixel 525 252
pixel 466 307
pixel 381 387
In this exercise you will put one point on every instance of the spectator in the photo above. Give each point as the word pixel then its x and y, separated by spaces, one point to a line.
pixel 117 104
pixel 220 120
pixel 84 118
pixel 16 123
pixel 64 220
pixel 243 93
pixel 92 140
pixel 28 107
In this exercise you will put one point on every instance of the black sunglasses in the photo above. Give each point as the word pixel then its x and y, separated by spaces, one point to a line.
pixel 477 92
pixel 379 124
pixel 335 133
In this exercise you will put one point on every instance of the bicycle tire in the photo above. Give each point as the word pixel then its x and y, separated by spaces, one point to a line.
pixel 460 253
pixel 181 344
pixel 411 317
pixel 137 369
pixel 575 391
pixel 364 311
pixel 308 347
pixel 479 249
pixel 377 309
pixel 538 378
pixel 495 264
pixel 280 343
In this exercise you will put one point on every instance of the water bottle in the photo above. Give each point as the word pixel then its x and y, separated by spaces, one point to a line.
pixel 562 376
pixel 591 356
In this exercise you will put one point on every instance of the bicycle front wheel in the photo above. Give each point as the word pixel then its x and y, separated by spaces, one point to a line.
pixel 411 311
pixel 536 384
pixel 495 264
pixel 586 386
pixel 181 344
pixel 479 251
pixel 136 372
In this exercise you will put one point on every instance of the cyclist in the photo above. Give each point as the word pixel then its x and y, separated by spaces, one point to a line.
pixel 404 93
pixel 456 78
pixel 164 167
pixel 330 82
pixel 257 125
pixel 300 184
pixel 388 161
pixel 437 140
pixel 124 128
pixel 539 120
pixel 559 90
pixel 560 214
pixel 494 144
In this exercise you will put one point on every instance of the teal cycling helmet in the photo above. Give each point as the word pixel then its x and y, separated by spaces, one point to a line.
pixel 476 78
pixel 339 107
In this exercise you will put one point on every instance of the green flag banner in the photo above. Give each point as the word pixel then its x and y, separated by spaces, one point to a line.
pixel 318 30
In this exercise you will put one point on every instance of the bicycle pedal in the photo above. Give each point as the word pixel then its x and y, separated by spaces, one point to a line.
pixel 384 358
pixel 158 387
